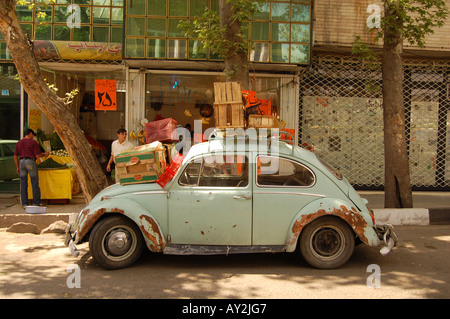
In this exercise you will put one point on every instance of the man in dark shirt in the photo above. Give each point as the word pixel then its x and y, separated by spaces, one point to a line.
pixel 25 154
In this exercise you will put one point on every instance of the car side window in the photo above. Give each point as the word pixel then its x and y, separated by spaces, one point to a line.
pixel 216 171
pixel 276 171
pixel 189 177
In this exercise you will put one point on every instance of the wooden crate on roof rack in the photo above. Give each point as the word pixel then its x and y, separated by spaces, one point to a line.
pixel 228 105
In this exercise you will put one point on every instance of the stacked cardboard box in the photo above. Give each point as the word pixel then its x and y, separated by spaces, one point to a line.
pixel 142 164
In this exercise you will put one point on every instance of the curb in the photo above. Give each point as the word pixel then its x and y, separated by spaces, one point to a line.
pixel 412 216
pixel 42 221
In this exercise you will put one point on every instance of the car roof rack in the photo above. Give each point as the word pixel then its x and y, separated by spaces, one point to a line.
pixel 260 133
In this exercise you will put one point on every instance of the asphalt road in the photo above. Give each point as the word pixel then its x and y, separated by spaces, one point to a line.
pixel 40 266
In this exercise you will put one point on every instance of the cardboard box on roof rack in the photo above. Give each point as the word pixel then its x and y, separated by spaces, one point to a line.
pixel 143 164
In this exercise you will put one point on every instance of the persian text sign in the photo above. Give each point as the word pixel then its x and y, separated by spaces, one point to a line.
pixel 77 50
pixel 105 95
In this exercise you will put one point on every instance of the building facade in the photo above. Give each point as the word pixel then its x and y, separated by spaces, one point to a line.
pixel 301 61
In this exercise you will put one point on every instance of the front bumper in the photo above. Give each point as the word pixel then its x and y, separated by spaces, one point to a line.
pixel 71 235
pixel 387 234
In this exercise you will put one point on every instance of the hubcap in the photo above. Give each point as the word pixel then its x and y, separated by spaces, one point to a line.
pixel 118 242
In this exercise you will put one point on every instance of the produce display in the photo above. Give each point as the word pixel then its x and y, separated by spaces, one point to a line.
pixel 50 163
pixel 62 153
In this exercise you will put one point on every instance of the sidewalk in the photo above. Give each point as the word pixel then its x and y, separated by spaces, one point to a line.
pixel 429 208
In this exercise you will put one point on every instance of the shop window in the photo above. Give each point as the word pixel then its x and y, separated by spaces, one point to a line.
pixel 117 16
pixel 43 32
pixel 177 8
pixel 156 27
pixel 61 33
pixel 135 26
pixel 135 7
pixel 197 51
pixel 189 97
pixel 300 12
pixel 260 31
pixel 174 31
pixel 101 15
pixel 280 11
pixel 280 52
pixel 157 7
pixel 299 53
pixel 156 48
pixel 24 14
pixel 82 33
pixel 281 26
pixel 135 47
pixel 117 35
pixel 264 14
pixel 280 32
pixel 197 7
pixel 300 33
pixel 177 49
pixel 101 34
pixel 260 53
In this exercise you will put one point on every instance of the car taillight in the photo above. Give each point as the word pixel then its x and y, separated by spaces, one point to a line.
pixel 372 216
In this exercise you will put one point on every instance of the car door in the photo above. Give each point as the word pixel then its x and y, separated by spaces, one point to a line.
pixel 211 202
pixel 282 188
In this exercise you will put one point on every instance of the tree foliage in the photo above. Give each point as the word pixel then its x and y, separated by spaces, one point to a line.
pixel 210 29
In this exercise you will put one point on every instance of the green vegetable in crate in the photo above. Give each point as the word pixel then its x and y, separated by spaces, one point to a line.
pixel 50 163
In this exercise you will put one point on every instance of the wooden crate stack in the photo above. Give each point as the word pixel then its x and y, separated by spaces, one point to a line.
pixel 228 105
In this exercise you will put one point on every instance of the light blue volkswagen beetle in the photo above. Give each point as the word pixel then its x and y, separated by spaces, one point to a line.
pixel 233 196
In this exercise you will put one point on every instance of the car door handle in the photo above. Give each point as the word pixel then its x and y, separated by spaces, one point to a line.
pixel 243 197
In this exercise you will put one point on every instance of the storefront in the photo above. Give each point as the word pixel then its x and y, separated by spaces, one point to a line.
pixel 188 97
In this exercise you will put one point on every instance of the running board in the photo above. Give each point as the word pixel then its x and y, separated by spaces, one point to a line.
pixel 173 249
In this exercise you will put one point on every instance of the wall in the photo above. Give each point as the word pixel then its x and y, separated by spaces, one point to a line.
pixel 338 22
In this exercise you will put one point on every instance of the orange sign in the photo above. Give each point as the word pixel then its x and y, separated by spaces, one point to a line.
pixel 105 95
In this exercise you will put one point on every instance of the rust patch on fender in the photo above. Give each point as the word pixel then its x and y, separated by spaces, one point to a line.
pixel 88 220
pixel 151 232
pixel 352 217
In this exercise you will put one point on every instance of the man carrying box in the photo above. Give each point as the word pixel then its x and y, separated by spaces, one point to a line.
pixel 119 146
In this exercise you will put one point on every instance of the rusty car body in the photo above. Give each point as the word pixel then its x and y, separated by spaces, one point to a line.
pixel 233 197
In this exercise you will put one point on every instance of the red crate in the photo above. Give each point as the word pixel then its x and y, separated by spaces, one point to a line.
pixel 165 178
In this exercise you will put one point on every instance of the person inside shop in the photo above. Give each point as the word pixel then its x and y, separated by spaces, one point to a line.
pixel 119 146
pixel 25 155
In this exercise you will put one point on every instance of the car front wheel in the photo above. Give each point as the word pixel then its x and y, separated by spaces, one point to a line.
pixel 116 242
pixel 327 242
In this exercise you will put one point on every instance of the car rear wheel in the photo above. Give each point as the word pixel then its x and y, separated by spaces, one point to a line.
pixel 116 242
pixel 327 242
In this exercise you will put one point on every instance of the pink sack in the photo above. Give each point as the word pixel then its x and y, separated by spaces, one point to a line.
pixel 161 131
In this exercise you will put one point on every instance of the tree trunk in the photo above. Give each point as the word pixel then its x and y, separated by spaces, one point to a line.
pixel 397 185
pixel 90 174
pixel 236 59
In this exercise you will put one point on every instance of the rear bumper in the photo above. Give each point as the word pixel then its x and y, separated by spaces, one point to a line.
pixel 387 235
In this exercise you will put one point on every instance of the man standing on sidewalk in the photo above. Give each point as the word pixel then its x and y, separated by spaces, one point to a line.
pixel 25 155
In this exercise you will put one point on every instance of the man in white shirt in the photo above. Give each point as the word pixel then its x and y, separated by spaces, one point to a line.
pixel 119 146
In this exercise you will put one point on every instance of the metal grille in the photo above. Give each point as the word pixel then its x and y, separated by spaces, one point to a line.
pixel 341 118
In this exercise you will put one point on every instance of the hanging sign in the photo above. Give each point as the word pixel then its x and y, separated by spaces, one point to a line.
pixel 74 50
pixel 34 120
pixel 105 95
